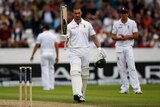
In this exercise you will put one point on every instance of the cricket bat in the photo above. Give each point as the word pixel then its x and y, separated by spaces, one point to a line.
pixel 63 14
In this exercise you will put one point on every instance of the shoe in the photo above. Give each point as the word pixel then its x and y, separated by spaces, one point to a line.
pixel 46 89
pixel 123 92
pixel 52 88
pixel 78 98
pixel 138 92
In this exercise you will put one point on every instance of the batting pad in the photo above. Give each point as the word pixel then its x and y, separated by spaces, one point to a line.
pixel 75 69
pixel 85 76
pixel 76 84
pixel 76 79
pixel 85 72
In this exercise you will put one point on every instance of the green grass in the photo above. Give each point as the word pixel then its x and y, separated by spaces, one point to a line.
pixel 103 96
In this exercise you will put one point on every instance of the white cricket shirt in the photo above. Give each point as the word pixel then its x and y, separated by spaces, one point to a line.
pixel 128 28
pixel 78 34
pixel 46 40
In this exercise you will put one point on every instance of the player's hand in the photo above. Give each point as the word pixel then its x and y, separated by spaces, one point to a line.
pixel 122 37
pixel 101 53
pixel 63 38
pixel 126 37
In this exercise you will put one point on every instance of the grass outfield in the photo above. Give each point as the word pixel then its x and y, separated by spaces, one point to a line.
pixel 103 96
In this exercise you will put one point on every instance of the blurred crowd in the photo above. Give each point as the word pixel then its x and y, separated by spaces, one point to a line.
pixel 21 20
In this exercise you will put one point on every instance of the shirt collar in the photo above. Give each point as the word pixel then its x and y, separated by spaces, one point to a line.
pixel 82 21
pixel 125 23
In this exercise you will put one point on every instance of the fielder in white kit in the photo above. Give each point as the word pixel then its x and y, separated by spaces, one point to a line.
pixel 124 32
pixel 48 44
pixel 78 32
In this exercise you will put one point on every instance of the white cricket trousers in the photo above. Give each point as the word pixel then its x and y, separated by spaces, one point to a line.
pixel 125 62
pixel 47 70
pixel 79 63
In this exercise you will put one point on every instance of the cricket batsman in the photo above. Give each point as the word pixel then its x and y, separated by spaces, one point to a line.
pixel 78 33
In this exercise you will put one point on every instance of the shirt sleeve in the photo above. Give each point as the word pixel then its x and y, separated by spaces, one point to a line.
pixel 135 29
pixel 38 39
pixel 91 30
pixel 114 29
pixel 68 32
pixel 56 39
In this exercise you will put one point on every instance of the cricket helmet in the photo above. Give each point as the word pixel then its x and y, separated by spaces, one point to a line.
pixel 100 63
pixel 100 60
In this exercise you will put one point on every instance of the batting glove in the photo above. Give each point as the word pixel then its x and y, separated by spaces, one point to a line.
pixel 63 38
pixel 102 53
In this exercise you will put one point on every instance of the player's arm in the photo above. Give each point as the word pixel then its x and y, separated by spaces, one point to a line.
pixel 130 37
pixel 134 35
pixel 96 41
pixel 57 52
pixel 114 35
pixel 68 36
pixel 117 38
pixel 34 51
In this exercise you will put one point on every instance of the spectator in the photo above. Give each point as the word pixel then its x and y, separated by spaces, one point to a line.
pixel 108 42
pixel 101 35
pixel 17 31
pixel 155 43
pixel 5 35
pixel 26 17
pixel 35 23
pixel 16 7
pixel 100 13
pixel 147 20
pixel 107 23
pixel 48 17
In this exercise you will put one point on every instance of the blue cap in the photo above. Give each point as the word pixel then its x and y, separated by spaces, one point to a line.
pixel 123 10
